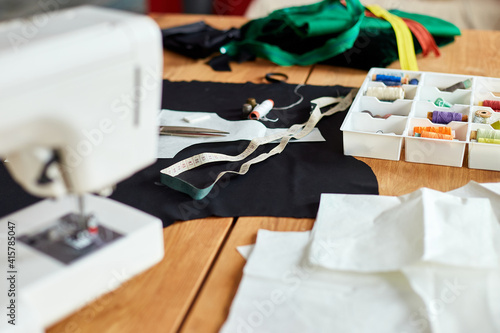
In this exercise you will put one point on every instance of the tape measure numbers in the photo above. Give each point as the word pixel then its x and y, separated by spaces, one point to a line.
pixel 169 175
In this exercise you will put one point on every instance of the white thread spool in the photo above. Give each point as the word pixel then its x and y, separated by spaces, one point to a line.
pixel 482 117
pixel 386 93
pixel 261 110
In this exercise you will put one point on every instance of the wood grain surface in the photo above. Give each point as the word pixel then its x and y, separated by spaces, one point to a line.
pixel 192 288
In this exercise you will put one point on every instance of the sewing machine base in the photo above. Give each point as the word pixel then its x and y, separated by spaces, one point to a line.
pixel 52 288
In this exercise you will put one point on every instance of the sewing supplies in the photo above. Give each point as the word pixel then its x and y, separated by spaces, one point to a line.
pixel 438 132
pixel 196 118
pixel 444 117
pixel 261 110
pixel 404 37
pixel 442 103
pixel 169 175
pixel 482 117
pixel 252 102
pixel 377 116
pixel 466 84
pixel 495 105
pixel 390 78
pixel 413 82
pixel 246 109
pixel 483 135
pixel 195 132
pixel 386 93
pixel 363 135
pixel 276 77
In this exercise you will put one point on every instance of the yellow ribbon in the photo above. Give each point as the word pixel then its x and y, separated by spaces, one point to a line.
pixel 404 38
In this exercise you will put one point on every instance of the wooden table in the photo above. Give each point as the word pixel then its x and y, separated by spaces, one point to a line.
pixel 192 288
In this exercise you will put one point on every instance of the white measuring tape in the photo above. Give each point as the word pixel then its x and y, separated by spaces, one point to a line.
pixel 169 175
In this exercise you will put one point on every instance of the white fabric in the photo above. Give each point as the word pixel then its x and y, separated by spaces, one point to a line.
pixel 424 262
pixel 279 293
pixel 380 233
pixel 169 146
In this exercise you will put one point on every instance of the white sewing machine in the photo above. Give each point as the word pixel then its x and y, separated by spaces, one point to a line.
pixel 80 92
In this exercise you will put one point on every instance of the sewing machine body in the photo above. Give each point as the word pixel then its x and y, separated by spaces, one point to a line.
pixel 79 101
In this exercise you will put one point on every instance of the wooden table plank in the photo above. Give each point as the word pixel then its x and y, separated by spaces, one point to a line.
pixel 180 68
pixel 158 299
pixel 212 305
pixel 472 53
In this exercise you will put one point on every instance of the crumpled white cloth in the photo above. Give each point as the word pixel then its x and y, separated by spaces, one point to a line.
pixel 424 262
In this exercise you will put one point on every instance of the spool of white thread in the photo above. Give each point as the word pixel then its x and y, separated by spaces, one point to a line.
pixel 261 110
pixel 386 93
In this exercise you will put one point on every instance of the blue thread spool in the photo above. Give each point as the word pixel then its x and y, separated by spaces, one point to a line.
pixel 390 78
pixel 413 81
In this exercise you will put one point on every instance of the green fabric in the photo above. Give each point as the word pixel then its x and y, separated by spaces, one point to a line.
pixel 311 34
pixel 326 17
pixel 436 26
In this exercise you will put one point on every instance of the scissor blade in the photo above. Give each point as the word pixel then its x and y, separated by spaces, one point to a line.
pixel 190 131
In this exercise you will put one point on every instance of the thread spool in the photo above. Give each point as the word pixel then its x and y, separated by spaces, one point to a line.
pixel 390 78
pixel 246 109
pixel 261 110
pixel 495 105
pixel 433 135
pixel 386 93
pixel 443 117
pixel 482 117
pixel 466 84
pixel 434 129
pixel 483 135
pixel 442 103
pixel 413 82
pixel 252 102
pixel 496 125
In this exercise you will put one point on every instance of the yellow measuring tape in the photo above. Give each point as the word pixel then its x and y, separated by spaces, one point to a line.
pixel 404 38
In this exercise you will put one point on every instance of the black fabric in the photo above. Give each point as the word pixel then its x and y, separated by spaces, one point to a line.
pixel 197 40
pixel 286 185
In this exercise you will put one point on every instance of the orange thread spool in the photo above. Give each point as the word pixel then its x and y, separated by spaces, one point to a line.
pixel 433 129
pixel 434 135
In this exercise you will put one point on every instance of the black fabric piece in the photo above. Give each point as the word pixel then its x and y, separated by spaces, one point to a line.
pixel 286 185
pixel 376 49
pixel 220 63
pixel 197 40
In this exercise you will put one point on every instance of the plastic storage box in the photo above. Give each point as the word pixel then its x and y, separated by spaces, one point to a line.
pixel 369 134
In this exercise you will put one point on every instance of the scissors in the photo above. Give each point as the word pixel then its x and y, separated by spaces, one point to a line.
pixel 191 131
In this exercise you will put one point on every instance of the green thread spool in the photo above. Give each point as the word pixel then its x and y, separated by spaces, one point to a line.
pixel 442 103
pixel 488 136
